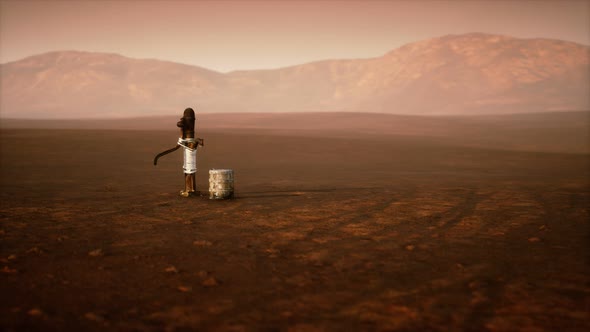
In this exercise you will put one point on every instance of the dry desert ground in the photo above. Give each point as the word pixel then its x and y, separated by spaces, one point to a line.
pixel 331 229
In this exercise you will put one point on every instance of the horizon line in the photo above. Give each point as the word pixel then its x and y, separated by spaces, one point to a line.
pixel 462 115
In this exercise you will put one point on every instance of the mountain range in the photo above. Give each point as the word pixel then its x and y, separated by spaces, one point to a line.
pixel 456 74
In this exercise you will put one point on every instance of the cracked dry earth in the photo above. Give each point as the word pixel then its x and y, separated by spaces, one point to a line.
pixel 377 234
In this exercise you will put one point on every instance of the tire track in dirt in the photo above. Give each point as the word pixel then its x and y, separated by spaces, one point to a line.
pixel 499 285
pixel 381 205
pixel 486 294
pixel 459 212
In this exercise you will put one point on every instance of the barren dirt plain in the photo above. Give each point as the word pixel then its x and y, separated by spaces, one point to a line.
pixel 426 224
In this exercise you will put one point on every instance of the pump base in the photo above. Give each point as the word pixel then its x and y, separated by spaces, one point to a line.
pixel 184 193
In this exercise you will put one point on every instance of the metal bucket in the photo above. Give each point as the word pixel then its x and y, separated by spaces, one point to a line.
pixel 221 183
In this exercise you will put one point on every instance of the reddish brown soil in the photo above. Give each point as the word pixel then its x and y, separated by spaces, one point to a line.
pixel 326 233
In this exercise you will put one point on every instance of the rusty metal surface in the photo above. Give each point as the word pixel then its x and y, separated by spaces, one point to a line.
pixel 187 124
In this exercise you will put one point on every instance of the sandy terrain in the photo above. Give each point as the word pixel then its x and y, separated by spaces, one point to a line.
pixel 328 232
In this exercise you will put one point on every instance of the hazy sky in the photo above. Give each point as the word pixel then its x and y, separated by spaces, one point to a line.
pixel 230 35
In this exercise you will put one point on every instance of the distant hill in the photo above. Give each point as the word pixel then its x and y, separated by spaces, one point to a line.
pixel 457 74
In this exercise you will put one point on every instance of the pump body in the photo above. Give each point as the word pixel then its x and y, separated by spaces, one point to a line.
pixel 189 144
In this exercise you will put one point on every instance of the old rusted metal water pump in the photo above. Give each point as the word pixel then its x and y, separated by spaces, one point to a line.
pixel 189 143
